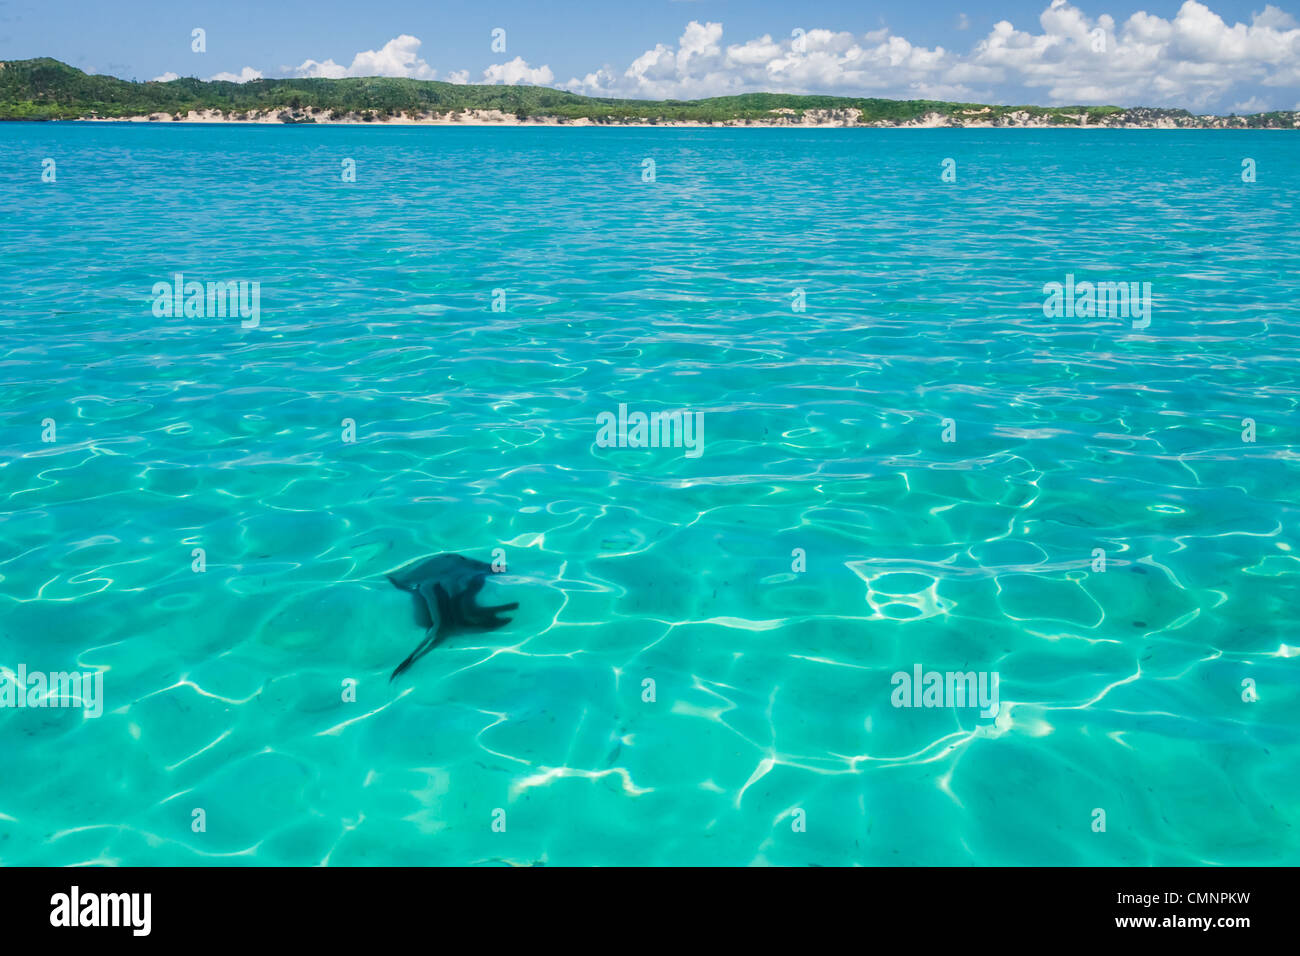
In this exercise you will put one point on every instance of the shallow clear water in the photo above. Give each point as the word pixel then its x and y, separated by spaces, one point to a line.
pixel 1120 690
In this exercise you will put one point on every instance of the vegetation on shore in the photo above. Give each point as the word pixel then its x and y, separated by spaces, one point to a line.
pixel 46 89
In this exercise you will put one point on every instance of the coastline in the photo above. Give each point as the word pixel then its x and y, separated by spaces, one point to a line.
pixel 46 90
pixel 810 119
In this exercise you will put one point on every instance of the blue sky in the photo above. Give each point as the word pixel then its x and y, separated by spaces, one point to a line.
pixel 1200 54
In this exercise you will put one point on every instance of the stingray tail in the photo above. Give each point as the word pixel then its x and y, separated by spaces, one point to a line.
pixel 425 646
pixel 403 666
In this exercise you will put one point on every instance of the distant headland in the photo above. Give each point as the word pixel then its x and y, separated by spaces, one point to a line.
pixel 47 89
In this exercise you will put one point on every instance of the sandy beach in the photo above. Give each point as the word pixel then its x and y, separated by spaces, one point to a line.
pixel 785 119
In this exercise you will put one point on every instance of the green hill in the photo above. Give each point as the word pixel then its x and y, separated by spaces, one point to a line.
pixel 46 89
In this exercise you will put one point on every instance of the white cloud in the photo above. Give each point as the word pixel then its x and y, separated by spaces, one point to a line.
pixel 315 68
pixel 166 77
pixel 243 76
pixel 878 63
pixel 1252 105
pixel 398 57
pixel 516 72
pixel 1193 60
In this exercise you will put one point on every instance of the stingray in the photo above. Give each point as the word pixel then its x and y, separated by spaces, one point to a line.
pixel 444 588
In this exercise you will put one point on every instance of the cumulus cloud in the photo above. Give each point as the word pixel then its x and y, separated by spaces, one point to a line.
pixel 243 76
pixel 1252 105
pixel 517 72
pixel 818 60
pixel 166 77
pixel 1193 60
pixel 398 57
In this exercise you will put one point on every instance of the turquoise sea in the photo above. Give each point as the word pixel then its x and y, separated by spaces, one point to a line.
pixel 919 468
